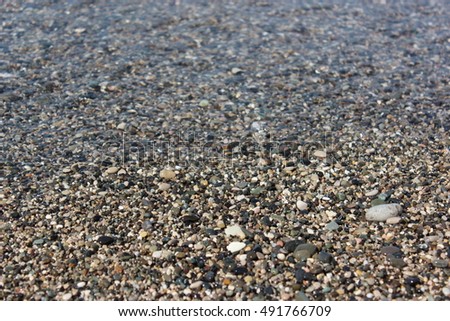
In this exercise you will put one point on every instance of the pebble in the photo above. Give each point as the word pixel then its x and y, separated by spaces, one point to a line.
pixel 220 224
pixel 67 296
pixel 372 192
pixel 38 242
pixel 234 247
pixel 325 257
pixel 320 154
pixel 121 126
pixel 167 174
pixel 381 213
pixel 203 103
pixel 397 262
pixel 304 251
pixel 235 230
pixel 302 205
pixel 112 170
pixel 291 245
pixel 196 285
pixel 440 263
pixel 105 240
pixel 412 281
pixel 393 220
pixel 446 291
pixel 301 296
pixel 332 226
pixel 281 256
pixel 390 250
pixel 163 186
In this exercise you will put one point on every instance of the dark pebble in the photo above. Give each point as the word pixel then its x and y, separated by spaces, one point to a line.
pixel 290 246
pixel 105 240
pixel 412 281
pixel 209 276
pixel 189 219
pixel 240 270
pixel 325 257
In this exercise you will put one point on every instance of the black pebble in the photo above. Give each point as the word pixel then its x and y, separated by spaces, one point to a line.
pixel 412 280
pixel 105 240
pixel 240 270
pixel 209 276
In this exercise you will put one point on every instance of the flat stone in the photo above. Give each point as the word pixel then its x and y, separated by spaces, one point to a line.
pixel 332 226
pixel 390 250
pixel 304 251
pixel 320 153
pixel 376 202
pixel 235 230
pixel 105 240
pixel 234 247
pixel 372 192
pixel 382 212
pixel 397 262
pixel 302 205
pixel 440 263
pixel 38 242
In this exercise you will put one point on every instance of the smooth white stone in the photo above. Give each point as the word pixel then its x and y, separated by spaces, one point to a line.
pixel 382 212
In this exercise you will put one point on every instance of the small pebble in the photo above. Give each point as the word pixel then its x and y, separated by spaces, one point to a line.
pixel 332 226
pixel 235 230
pixel 196 285
pixel 302 205
pixel 112 170
pixel 234 247
pixel 167 174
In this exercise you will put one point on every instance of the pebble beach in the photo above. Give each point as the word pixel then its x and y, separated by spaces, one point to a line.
pixel 238 150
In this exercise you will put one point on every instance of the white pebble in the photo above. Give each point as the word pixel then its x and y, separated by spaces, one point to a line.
pixel 235 230
pixel 382 212
pixel 446 291
pixel 196 285
pixel 302 205
pixel 235 246
pixel 281 256
pixel 67 297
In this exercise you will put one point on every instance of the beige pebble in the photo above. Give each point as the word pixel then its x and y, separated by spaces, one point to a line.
pixel 320 154
pixel 167 174
pixel 163 186
pixel 302 205
pixel 112 170
pixel 393 220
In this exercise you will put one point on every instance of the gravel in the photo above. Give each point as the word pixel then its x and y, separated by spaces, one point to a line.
pixel 196 150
